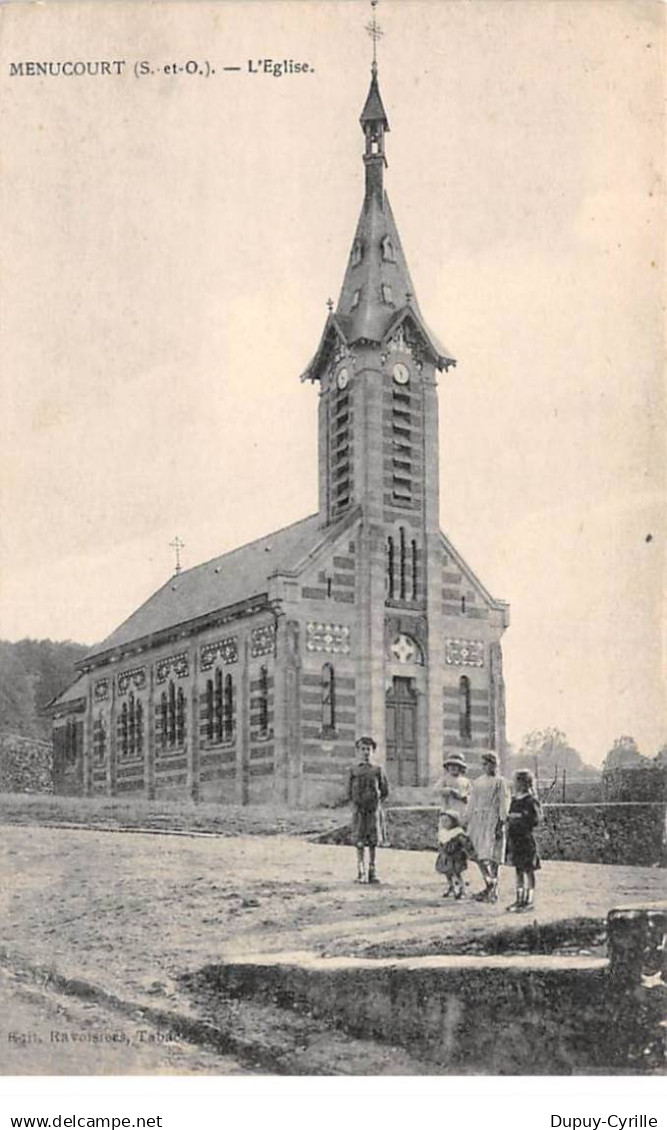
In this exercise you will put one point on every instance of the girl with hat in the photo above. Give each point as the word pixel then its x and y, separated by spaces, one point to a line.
pixel 453 787
pixel 488 809
pixel 452 791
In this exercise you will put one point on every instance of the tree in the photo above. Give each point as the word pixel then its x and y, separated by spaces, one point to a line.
pixel 17 714
pixel 548 753
pixel 624 754
pixel 32 672
pixel 661 756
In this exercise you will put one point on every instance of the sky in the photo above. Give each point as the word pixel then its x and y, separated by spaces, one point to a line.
pixel 172 243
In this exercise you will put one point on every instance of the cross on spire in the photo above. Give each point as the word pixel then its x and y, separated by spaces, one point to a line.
pixel 375 31
pixel 178 545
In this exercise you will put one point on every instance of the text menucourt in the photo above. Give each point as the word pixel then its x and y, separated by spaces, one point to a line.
pixel 68 68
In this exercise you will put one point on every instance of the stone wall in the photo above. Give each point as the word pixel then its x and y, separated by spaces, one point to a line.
pixel 648 784
pixel 25 765
pixel 605 833
pixel 481 1015
pixel 494 1015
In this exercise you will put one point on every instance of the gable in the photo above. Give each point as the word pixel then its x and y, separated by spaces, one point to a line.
pixel 330 574
pixel 463 594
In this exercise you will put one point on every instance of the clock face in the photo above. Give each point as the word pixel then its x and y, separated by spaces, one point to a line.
pixel 342 378
pixel 401 373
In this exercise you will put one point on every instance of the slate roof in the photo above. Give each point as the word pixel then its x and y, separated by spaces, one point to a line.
pixel 71 694
pixel 236 576
pixel 369 317
pixel 377 288
pixel 373 110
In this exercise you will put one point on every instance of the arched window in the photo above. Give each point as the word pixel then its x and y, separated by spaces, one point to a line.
pixel 124 730
pixel 263 701
pixel 388 253
pixel 172 718
pixel 180 717
pixel 71 742
pixel 131 726
pixel 215 707
pixel 228 709
pixel 413 546
pixel 139 728
pixel 328 697
pixel 465 730
pixel 210 708
pixel 164 720
pixel 390 568
pixel 402 563
pixel 463 604
pixel 171 723
pixel 99 739
pixel 218 730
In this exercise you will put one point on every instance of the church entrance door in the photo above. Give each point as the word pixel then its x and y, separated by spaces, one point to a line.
pixel 402 732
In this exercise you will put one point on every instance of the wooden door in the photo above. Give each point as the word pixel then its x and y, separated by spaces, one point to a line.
pixel 402 733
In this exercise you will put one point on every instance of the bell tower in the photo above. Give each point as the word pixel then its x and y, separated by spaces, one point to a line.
pixel 426 633
pixel 378 454
pixel 376 367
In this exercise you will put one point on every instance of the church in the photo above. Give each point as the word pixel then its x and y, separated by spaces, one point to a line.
pixel 248 678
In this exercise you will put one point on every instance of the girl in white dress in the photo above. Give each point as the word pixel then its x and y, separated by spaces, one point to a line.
pixel 488 808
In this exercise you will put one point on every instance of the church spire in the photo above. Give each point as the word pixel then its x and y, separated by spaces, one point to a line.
pixel 374 122
pixel 377 294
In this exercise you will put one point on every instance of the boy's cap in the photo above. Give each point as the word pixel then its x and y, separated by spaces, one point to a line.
pixel 490 756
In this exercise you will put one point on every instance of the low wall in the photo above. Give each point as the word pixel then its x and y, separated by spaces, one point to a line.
pixel 622 834
pixel 26 765
pixel 484 1015
pixel 646 784
pixel 490 1015
pixel 605 833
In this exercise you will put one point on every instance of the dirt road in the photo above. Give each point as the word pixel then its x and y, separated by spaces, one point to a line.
pixel 44 1033
pixel 139 910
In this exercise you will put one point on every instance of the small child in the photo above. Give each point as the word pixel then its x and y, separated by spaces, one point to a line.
pixel 453 853
pixel 525 814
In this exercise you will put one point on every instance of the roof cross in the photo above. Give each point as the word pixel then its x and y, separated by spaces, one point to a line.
pixel 178 545
pixel 375 31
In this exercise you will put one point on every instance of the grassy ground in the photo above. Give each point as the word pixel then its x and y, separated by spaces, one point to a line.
pixel 166 815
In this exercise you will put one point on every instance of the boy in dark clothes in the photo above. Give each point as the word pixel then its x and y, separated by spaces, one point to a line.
pixel 525 813
pixel 367 789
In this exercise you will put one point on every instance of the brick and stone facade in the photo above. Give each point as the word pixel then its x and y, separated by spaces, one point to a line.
pixel 249 678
